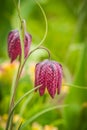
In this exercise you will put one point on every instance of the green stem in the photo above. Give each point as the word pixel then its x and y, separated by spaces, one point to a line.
pixel 22 62
pixel 12 110
pixel 41 113
pixel 14 87
pixel 18 9
pixel 23 29
pixel 22 37
pixel 44 48
pixel 13 96
pixel 75 86
pixel 18 73
pixel 39 47
pixel 22 110
pixel 46 23
pixel 44 37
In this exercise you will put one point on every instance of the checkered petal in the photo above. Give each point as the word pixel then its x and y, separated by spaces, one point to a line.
pixel 51 80
pixel 14 46
pixel 59 76
pixel 48 74
pixel 40 76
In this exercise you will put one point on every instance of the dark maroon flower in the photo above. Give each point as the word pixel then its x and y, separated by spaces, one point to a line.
pixel 48 74
pixel 14 46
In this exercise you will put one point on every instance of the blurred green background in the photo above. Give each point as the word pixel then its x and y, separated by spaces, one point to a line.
pixel 67 41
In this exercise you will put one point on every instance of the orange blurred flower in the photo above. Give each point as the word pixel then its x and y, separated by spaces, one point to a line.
pixel 47 127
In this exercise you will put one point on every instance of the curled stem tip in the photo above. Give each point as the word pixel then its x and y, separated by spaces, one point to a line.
pixel 47 50
pixel 39 47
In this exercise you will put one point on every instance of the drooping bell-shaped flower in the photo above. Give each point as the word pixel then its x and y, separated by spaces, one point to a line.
pixel 48 74
pixel 14 45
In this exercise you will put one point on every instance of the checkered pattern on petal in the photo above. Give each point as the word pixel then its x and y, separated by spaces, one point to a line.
pixel 42 80
pixel 59 76
pixel 59 79
pixel 14 46
pixel 48 74
pixel 40 76
pixel 27 41
pixel 51 79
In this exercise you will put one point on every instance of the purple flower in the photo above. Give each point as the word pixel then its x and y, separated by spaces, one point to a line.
pixel 14 45
pixel 48 74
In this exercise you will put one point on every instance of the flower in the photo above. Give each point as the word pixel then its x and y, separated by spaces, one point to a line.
pixel 48 74
pixel 14 46
pixel 36 126
pixel 49 127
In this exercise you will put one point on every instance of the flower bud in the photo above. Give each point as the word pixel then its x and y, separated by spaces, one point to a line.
pixel 14 45
pixel 48 74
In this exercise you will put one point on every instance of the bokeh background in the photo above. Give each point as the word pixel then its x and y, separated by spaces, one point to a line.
pixel 67 41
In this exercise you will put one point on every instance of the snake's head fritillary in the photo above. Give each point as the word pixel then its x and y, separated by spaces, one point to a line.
pixel 14 45
pixel 48 74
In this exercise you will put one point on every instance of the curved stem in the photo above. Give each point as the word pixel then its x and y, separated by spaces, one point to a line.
pixel 44 37
pixel 75 86
pixel 41 113
pixel 22 63
pixel 18 9
pixel 19 5
pixel 13 95
pixel 12 110
pixel 41 47
pixel 22 38
pixel 46 23
pixel 14 91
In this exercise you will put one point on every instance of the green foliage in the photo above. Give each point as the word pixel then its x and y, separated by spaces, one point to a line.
pixel 66 39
